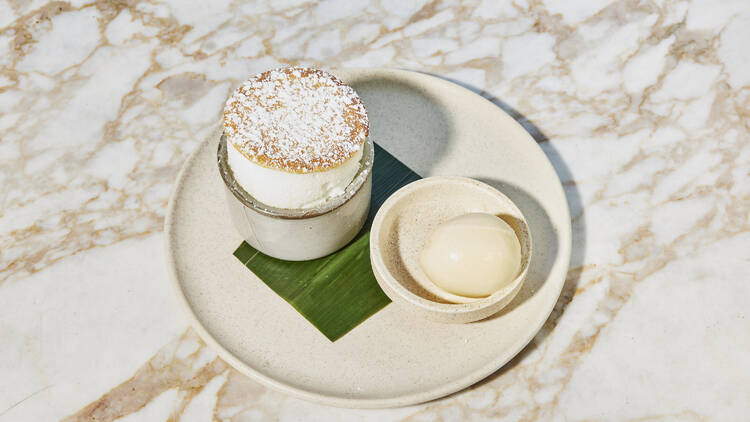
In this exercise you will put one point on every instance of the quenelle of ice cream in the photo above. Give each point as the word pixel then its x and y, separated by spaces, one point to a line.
pixel 473 255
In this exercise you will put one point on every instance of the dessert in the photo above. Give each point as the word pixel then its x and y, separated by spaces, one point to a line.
pixel 295 136
pixel 473 255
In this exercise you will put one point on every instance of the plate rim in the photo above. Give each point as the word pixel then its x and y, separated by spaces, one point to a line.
pixel 466 381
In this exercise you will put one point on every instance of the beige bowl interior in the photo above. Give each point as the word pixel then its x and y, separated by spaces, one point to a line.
pixel 403 226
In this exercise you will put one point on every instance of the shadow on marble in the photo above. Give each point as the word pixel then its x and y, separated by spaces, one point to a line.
pixel 525 201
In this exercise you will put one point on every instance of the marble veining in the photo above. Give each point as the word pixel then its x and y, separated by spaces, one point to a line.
pixel 642 107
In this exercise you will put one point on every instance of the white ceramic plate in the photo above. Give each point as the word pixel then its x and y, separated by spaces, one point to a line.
pixel 392 359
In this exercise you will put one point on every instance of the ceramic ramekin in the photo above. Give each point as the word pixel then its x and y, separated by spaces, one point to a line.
pixel 404 223
pixel 299 234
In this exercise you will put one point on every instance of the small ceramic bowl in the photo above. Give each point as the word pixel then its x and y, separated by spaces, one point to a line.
pixel 403 225
pixel 299 234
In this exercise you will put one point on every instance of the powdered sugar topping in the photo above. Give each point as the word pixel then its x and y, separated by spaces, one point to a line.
pixel 296 119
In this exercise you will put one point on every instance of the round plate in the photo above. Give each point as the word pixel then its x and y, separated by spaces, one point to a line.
pixel 391 359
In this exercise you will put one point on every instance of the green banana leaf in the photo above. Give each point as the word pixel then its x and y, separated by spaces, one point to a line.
pixel 339 291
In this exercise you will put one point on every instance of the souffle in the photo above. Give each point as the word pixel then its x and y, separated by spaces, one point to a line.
pixel 295 136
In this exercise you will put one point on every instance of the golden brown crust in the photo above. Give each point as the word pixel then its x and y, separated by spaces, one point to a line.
pixel 296 119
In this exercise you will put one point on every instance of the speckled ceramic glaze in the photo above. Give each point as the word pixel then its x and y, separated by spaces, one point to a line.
pixel 393 358
pixel 403 225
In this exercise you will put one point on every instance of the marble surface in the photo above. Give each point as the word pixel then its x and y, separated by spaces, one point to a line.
pixel 642 107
